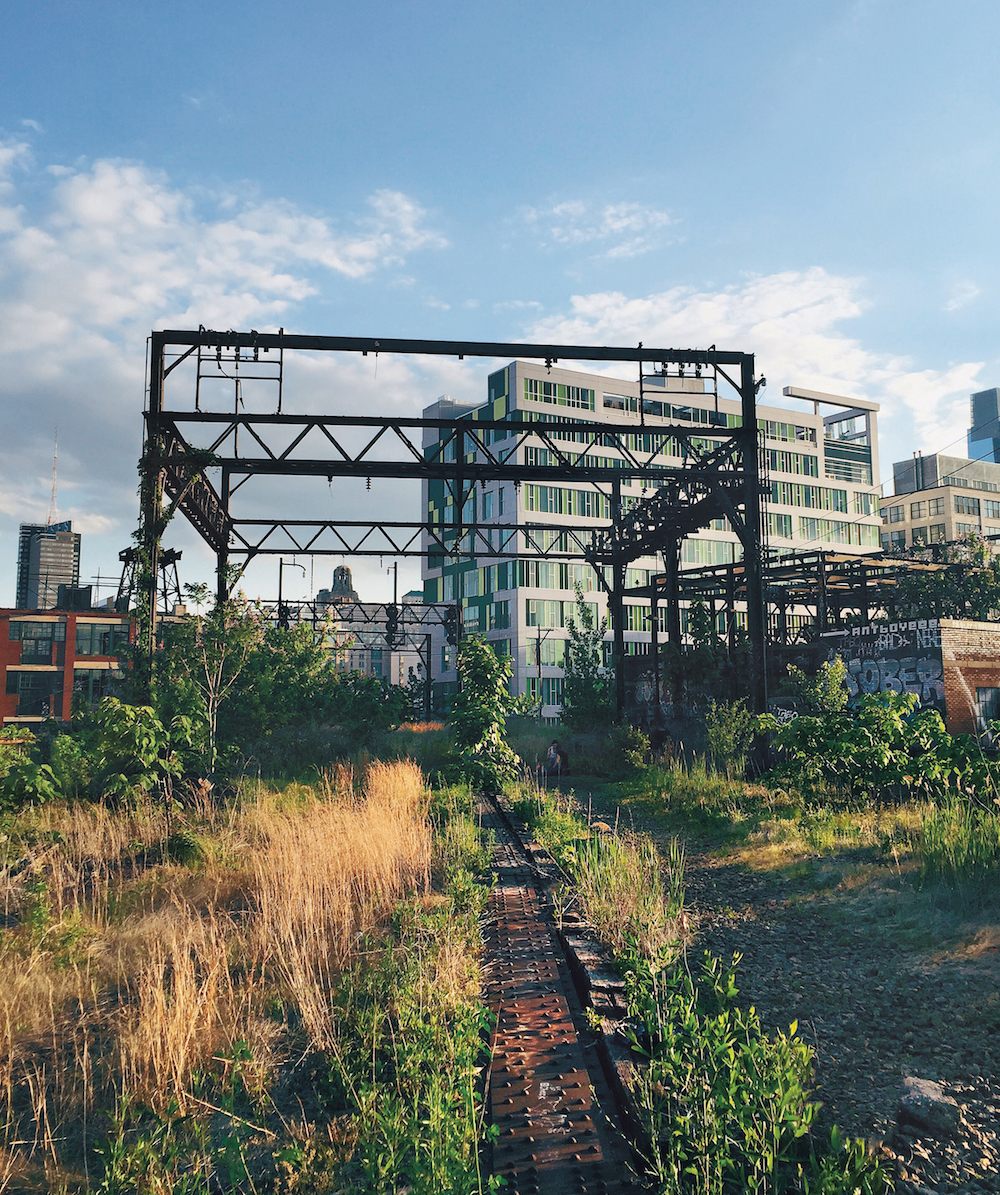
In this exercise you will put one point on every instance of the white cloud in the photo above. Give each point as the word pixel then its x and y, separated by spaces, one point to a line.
pixel 794 323
pixel 962 293
pixel 613 230
pixel 92 256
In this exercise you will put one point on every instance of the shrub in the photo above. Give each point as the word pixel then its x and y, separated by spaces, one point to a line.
pixel 478 720
pixel 730 729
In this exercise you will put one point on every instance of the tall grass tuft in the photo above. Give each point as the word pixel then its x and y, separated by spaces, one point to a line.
pixel 958 843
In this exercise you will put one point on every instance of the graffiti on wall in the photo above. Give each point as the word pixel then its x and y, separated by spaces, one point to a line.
pixel 892 657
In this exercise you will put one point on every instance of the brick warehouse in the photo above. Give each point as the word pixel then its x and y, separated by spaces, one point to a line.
pixel 953 665
pixel 49 658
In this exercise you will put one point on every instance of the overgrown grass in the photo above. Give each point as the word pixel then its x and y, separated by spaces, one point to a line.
pixel 173 987
pixel 958 844
pixel 725 1105
pixel 619 882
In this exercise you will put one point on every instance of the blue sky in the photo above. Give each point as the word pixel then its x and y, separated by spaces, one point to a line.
pixel 812 182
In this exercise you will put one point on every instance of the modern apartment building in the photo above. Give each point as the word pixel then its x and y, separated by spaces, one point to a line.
pixel 48 555
pixel 820 470
pixel 940 498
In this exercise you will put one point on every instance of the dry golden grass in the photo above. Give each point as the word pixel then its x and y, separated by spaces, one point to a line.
pixel 131 974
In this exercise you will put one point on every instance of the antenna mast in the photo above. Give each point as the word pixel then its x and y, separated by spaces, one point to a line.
pixel 55 478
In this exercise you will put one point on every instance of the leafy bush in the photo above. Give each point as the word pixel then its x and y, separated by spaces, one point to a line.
pixel 725 1105
pixel 730 728
pixel 885 747
pixel 478 720
pixel 629 746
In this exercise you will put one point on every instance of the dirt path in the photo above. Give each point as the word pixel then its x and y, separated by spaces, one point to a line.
pixel 874 998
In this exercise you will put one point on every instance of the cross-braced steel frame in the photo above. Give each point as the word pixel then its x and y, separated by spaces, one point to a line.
pixel 198 459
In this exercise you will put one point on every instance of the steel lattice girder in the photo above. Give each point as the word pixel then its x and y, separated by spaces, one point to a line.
pixel 356 537
pixel 494 443
pixel 409 614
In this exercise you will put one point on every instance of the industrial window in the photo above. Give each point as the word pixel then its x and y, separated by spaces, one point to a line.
pixel 897 539
pixel 987 707
pixel 101 638
pixel 965 505
pixel 894 514
pixel 991 508
pixel 935 506
pixel 38 693
pixel 918 510
pixel 919 536
pixel 55 632
pixel 967 528
pixel 935 533
pixel 92 684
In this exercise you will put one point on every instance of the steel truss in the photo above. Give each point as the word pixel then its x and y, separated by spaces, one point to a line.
pixel 825 590
pixel 200 459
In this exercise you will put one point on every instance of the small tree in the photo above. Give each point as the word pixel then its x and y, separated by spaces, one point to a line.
pixel 479 716
pixel 204 659
pixel 587 687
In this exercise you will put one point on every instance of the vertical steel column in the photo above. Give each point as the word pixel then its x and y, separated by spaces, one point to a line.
pixel 428 691
pixel 616 602
pixel 654 647
pixel 671 563
pixel 148 565
pixel 752 547
pixel 822 613
pixel 222 555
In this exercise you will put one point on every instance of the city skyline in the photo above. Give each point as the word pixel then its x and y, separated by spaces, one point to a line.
pixel 823 200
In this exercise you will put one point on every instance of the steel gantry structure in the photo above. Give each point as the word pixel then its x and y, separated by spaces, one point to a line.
pixel 199 458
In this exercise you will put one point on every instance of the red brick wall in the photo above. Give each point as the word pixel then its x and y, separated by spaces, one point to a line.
pixel 970 654
pixel 10 653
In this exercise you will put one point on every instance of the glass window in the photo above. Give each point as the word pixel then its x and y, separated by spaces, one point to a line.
pixel 935 506
pixel 897 539
pixel 101 638
pixel 965 505
pixel 967 528
pixel 935 533
pixel 918 510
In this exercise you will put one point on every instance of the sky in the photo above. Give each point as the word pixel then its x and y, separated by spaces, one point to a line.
pixel 813 183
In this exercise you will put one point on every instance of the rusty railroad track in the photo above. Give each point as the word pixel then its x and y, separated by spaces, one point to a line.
pixel 557 1125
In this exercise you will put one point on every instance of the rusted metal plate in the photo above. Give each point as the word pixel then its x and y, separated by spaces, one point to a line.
pixel 553 1134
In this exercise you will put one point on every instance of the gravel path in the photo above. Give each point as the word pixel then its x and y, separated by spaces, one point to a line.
pixel 875 1007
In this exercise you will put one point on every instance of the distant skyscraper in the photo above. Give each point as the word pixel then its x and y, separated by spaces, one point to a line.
pixel 47 557
pixel 984 434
